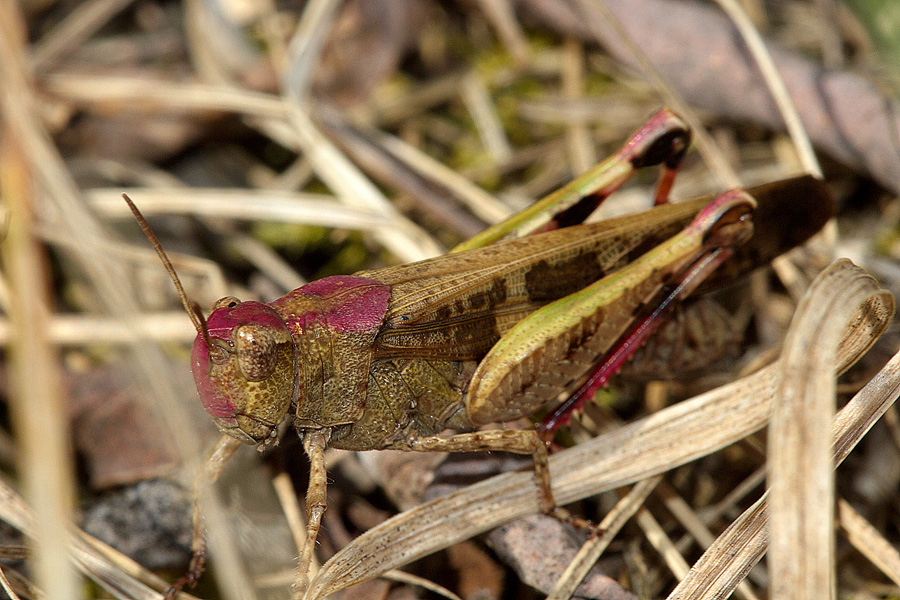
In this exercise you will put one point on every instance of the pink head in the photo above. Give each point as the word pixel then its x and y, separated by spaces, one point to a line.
pixel 245 371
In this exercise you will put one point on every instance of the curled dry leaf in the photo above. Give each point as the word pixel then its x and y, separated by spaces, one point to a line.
pixel 655 444
pixel 801 471
pixel 728 560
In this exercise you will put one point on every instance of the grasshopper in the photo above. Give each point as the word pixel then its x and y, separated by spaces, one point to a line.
pixel 538 308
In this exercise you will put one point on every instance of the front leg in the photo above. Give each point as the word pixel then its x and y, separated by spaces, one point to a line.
pixel 314 442
pixel 208 475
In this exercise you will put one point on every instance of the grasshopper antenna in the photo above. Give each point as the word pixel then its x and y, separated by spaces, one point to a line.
pixel 191 307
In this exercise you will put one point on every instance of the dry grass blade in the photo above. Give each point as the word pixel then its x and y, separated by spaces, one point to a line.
pixel 405 577
pixel 742 545
pixel 36 401
pixel 65 210
pixel 6 586
pixel 436 188
pixel 475 198
pixel 477 99
pixel 64 199
pixel 500 13
pixel 696 526
pixel 671 437
pixel 119 575
pixel 578 137
pixel 801 476
pixel 67 330
pixel 293 512
pixel 869 541
pixel 77 27
pixel 256 205
pixel 659 539
pixel 306 46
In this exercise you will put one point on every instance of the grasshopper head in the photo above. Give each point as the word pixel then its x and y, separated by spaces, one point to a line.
pixel 243 360
pixel 244 369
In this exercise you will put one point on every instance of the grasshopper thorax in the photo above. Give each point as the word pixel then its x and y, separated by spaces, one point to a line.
pixel 245 370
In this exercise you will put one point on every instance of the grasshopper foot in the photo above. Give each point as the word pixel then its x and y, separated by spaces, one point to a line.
pixel 563 515
pixel 189 579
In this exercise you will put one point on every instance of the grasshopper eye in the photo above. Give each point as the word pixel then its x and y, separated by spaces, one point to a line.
pixel 256 352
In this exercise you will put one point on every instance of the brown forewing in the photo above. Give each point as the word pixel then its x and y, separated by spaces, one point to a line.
pixel 455 307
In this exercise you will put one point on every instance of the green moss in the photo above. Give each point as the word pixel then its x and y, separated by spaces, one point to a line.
pixel 290 237
pixel 881 18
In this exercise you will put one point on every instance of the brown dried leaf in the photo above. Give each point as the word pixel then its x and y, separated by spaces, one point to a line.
pixel 480 578
pixel 365 47
pixel 405 476
pixel 539 548
pixel 846 115
pixel 114 431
